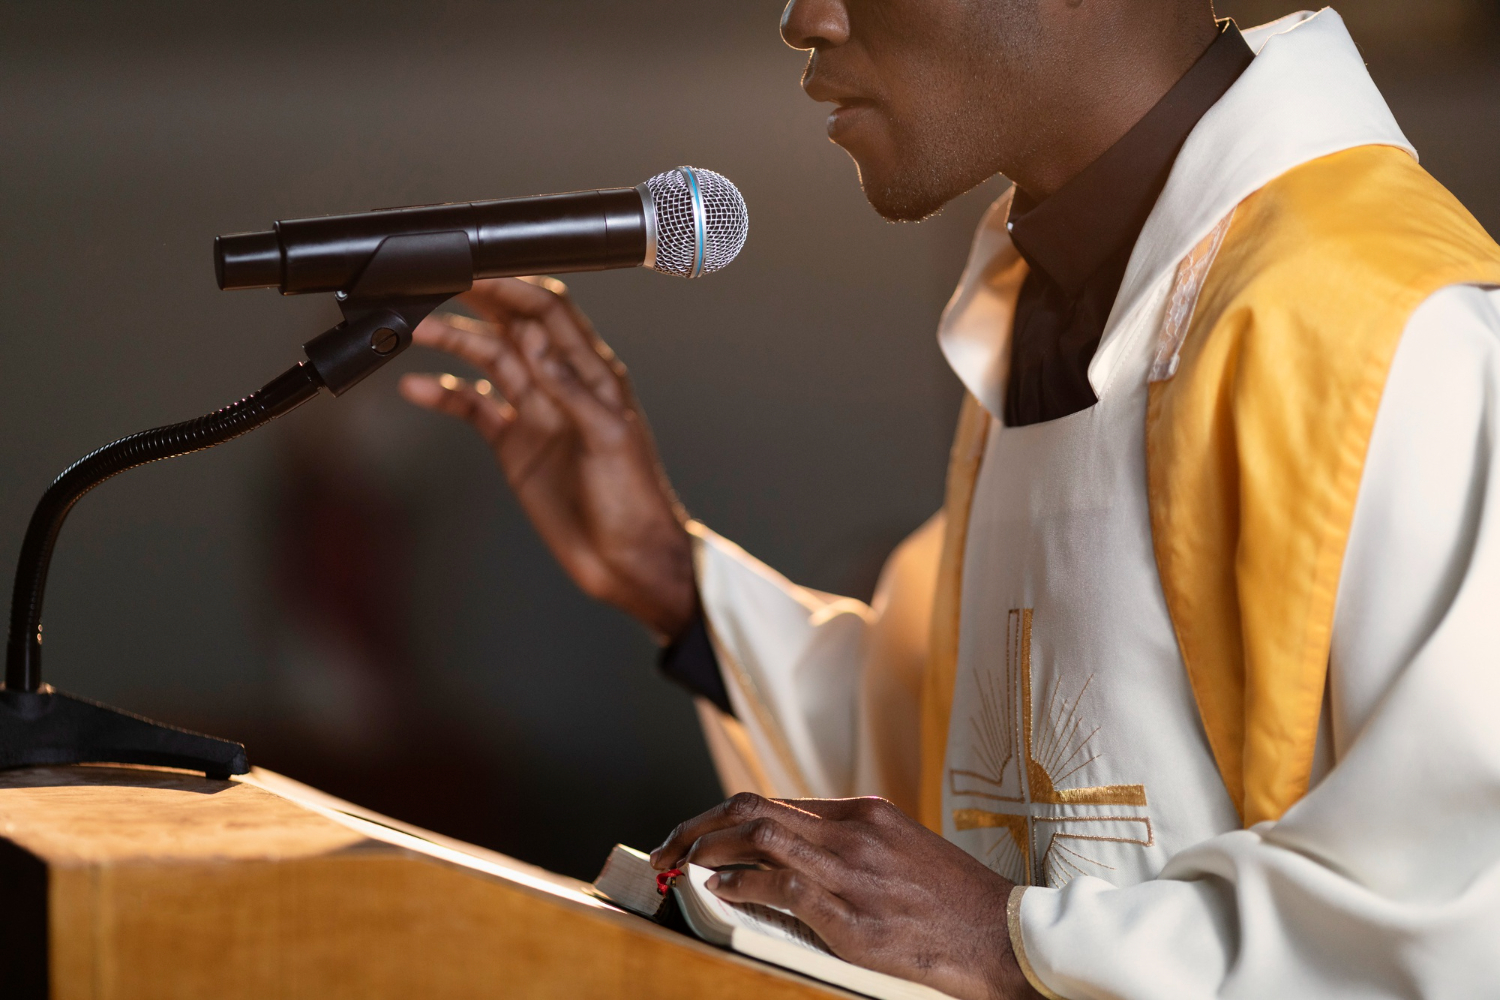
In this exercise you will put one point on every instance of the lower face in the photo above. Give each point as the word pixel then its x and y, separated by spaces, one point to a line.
pixel 934 121
pixel 909 167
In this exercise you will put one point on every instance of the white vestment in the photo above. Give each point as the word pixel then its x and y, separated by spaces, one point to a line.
pixel 1076 760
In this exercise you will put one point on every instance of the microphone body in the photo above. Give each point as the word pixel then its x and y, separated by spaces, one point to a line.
pixel 554 233
pixel 686 222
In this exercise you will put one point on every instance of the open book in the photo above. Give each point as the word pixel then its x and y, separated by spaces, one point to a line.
pixel 771 935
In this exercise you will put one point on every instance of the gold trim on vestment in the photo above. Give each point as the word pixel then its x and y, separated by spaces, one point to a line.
pixel 942 664
pixel 1256 444
pixel 1018 944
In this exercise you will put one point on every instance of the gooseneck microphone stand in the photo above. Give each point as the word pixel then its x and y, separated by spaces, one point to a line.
pixel 407 278
pixel 41 726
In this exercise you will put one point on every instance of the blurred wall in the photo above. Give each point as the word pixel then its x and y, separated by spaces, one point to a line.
pixel 352 592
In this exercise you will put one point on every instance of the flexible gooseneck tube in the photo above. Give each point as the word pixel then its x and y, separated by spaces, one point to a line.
pixel 23 665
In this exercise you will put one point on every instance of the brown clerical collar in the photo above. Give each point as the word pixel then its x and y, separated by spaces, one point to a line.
pixel 1071 234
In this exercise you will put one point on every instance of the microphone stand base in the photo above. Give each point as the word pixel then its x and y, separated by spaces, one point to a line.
pixel 46 727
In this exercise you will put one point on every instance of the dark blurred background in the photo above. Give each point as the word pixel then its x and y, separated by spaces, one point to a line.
pixel 352 592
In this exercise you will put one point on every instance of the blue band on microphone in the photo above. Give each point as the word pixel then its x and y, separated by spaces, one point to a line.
pixel 700 221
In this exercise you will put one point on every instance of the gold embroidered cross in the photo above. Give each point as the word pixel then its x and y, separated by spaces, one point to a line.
pixel 1021 767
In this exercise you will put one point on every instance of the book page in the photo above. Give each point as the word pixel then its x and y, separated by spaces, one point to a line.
pixel 754 917
pixel 779 938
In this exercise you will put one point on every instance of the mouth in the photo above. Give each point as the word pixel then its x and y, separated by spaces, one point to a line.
pixel 847 115
pixel 826 86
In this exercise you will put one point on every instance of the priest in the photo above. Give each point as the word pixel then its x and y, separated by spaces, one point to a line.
pixel 1191 688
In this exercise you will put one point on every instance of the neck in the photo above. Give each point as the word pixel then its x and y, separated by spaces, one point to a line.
pixel 1131 66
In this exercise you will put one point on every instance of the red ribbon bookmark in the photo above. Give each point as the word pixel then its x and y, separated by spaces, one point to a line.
pixel 664 880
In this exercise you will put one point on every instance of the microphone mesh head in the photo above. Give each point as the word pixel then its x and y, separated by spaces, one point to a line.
pixel 701 221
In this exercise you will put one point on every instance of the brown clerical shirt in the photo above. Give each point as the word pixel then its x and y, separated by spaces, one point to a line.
pixel 1078 241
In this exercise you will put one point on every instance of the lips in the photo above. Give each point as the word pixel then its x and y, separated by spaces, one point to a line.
pixel 829 84
pixel 848 115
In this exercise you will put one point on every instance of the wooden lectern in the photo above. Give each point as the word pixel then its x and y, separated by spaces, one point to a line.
pixel 130 882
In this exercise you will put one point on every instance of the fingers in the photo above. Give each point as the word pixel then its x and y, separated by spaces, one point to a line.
pixel 865 808
pixel 473 402
pixel 763 841
pixel 495 351
pixel 746 807
pixel 569 333
pixel 786 889
pixel 602 426
pixel 482 345
pixel 539 340
pixel 803 876
pixel 800 815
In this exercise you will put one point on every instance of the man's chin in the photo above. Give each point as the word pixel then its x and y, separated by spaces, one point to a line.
pixel 903 196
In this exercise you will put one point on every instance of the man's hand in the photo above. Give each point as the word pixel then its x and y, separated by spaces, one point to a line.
pixel 572 443
pixel 881 890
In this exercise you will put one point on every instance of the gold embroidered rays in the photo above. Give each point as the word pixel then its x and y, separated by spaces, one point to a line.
pixel 1022 756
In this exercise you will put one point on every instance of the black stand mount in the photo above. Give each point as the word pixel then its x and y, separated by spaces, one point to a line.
pixel 406 279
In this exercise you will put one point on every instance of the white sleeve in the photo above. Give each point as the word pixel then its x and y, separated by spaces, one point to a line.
pixel 825 689
pixel 1384 881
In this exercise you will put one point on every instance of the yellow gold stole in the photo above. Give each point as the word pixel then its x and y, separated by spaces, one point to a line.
pixel 1255 451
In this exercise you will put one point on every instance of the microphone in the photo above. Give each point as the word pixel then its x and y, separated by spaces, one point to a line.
pixel 687 222
pixel 389 270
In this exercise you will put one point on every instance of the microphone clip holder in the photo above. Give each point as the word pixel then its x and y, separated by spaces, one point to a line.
pixel 405 280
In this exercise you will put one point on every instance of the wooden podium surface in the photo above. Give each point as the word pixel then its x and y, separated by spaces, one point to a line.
pixel 128 882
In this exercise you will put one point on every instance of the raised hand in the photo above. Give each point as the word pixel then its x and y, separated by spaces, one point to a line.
pixel 560 417
pixel 881 890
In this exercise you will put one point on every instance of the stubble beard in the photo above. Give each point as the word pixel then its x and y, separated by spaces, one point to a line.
pixel 940 154
pixel 949 144
pixel 934 171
